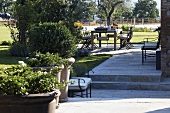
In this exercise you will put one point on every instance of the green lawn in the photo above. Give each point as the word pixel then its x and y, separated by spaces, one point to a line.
pixel 91 61
pixel 4 33
pixel 137 37
pixel 6 59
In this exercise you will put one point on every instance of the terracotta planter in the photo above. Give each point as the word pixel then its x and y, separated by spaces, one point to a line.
pixel 58 76
pixel 33 103
pixel 65 75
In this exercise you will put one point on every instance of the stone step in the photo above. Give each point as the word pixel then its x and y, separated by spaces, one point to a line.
pixel 164 85
pixel 126 78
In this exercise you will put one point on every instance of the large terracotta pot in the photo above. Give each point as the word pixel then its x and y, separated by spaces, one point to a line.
pixel 33 103
pixel 58 76
pixel 65 75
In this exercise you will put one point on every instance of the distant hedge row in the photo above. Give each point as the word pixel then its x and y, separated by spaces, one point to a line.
pixel 145 29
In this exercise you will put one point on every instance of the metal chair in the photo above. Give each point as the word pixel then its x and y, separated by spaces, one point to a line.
pixel 150 44
pixel 125 39
pixel 87 40
pixel 81 84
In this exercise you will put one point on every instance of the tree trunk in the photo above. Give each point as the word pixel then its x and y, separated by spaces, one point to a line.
pixel 108 20
pixel 143 21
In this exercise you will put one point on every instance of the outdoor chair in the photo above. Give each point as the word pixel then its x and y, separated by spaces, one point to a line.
pixel 87 40
pixel 125 38
pixel 150 44
pixel 80 84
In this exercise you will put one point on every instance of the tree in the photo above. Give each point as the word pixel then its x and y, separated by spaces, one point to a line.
pixel 123 11
pixel 5 8
pixel 25 15
pixel 108 7
pixel 88 11
pixel 50 10
pixel 146 9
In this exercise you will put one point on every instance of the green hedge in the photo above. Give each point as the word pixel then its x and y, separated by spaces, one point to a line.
pixel 125 28
pixel 52 38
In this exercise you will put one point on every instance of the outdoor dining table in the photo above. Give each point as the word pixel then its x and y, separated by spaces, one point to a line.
pixel 100 32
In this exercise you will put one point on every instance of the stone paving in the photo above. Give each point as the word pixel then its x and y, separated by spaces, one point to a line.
pixel 119 101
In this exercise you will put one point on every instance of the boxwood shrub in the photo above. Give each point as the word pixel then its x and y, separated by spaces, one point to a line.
pixel 52 38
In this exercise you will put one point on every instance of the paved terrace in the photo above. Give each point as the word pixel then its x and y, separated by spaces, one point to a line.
pixel 123 64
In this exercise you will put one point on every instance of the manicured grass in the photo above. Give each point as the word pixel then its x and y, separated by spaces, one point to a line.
pixel 6 59
pixel 137 37
pixel 4 33
pixel 93 60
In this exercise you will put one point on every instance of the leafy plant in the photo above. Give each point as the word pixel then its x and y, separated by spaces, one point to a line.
pixel 18 49
pixel 22 80
pixel 52 38
pixel 44 60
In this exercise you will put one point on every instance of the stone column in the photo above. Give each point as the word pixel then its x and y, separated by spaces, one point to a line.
pixel 165 38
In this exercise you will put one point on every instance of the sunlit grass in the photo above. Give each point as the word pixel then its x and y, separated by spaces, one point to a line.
pixel 4 33
pixel 93 60
pixel 137 37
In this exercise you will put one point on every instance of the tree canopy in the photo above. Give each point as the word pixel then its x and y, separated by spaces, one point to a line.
pixel 146 9
pixel 107 8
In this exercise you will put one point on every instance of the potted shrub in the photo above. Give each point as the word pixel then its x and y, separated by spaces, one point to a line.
pixel 23 90
pixel 54 38
pixel 47 62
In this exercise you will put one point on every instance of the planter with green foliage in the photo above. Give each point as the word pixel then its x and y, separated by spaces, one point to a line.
pixel 54 38
pixel 28 91
pixel 47 62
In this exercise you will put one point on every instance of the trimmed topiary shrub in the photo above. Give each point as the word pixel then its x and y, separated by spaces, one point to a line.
pixel 52 38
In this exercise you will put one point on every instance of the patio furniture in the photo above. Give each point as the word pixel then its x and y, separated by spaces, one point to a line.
pixel 125 39
pixel 81 85
pixel 150 44
pixel 103 38
pixel 99 31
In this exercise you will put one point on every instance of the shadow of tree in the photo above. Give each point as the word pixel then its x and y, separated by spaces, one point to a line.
pixel 6 59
